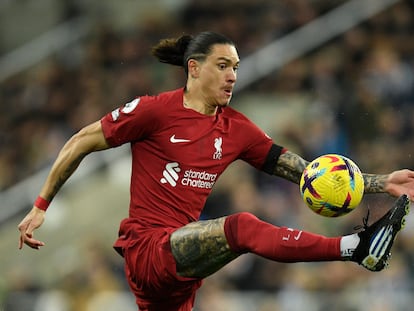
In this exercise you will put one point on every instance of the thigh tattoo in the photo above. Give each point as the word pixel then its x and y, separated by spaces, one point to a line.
pixel 200 248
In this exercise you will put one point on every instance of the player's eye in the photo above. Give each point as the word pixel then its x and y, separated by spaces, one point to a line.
pixel 222 66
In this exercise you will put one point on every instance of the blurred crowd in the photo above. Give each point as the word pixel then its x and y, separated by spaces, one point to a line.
pixel 361 82
pixel 359 95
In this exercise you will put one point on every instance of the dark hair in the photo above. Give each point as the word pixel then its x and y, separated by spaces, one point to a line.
pixel 177 51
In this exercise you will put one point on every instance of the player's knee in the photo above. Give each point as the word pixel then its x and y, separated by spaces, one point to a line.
pixel 238 227
pixel 246 219
pixel 242 221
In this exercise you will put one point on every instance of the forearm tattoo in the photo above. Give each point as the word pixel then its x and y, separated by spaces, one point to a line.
pixel 200 248
pixel 290 166
pixel 65 175
pixel 374 183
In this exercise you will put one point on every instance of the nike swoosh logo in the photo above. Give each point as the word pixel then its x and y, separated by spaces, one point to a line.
pixel 178 140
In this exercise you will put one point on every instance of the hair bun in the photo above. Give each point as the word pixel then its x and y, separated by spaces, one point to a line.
pixel 182 44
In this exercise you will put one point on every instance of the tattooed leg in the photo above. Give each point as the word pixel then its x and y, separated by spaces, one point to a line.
pixel 200 248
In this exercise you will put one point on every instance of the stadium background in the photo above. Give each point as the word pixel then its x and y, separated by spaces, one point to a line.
pixel 316 84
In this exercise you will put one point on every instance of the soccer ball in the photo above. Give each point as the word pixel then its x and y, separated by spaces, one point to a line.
pixel 332 185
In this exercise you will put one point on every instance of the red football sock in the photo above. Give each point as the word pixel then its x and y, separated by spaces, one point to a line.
pixel 246 233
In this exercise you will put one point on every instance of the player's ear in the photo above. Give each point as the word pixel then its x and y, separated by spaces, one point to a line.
pixel 193 68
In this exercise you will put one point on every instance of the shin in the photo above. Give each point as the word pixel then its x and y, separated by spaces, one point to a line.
pixel 246 233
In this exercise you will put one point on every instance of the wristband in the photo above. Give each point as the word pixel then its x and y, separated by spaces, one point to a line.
pixel 41 203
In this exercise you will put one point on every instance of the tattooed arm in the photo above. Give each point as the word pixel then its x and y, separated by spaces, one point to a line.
pixel 87 140
pixel 290 166
pixel 396 183
pixel 374 183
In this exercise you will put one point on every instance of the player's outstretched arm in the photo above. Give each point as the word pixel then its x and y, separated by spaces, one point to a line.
pixel 396 183
pixel 87 140
pixel 290 166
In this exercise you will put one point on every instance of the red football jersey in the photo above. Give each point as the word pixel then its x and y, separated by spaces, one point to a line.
pixel 178 154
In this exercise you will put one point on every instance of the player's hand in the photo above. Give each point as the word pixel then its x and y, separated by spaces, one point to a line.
pixel 401 182
pixel 32 221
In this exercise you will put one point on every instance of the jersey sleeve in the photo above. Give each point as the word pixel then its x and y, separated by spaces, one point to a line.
pixel 260 151
pixel 132 122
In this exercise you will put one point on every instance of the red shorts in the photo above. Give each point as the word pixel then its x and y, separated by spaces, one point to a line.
pixel 151 270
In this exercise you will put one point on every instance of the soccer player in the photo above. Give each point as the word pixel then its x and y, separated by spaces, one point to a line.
pixel 181 141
